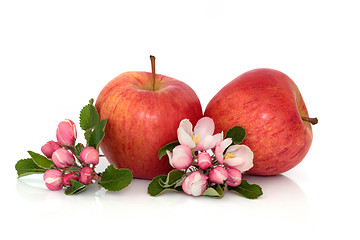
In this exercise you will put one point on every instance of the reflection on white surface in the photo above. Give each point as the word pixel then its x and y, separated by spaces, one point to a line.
pixel 283 201
pixel 283 198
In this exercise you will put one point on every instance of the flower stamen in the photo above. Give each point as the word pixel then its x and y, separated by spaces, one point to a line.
pixel 196 139
pixel 229 155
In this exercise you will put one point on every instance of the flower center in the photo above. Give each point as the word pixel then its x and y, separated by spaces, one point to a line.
pixel 229 155
pixel 196 139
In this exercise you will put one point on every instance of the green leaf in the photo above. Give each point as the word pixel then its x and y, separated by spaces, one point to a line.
pixel 27 166
pixel 76 187
pixel 78 148
pixel 172 178
pixel 89 117
pixel 216 192
pixel 237 134
pixel 114 179
pixel 87 134
pixel 41 160
pixel 154 188
pixel 169 147
pixel 97 135
pixel 251 191
pixel 177 188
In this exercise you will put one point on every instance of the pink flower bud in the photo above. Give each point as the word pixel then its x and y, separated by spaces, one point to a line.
pixel 66 180
pixel 181 157
pixel 218 175
pixel 48 148
pixel 53 179
pixel 204 160
pixel 66 133
pixel 195 184
pixel 89 155
pixel 234 177
pixel 86 175
pixel 62 158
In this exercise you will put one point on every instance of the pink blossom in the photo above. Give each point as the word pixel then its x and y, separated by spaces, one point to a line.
pixel 66 133
pixel 204 160
pixel 218 175
pixel 239 157
pixel 48 148
pixel 201 139
pixel 86 175
pixel 66 180
pixel 53 179
pixel 181 157
pixel 234 177
pixel 195 184
pixel 89 155
pixel 220 147
pixel 62 158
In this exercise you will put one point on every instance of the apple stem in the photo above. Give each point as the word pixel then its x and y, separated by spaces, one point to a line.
pixel 152 59
pixel 313 121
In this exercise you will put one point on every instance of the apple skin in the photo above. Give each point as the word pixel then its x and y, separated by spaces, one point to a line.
pixel 141 121
pixel 268 104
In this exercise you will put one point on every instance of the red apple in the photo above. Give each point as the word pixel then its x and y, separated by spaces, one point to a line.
pixel 144 111
pixel 268 104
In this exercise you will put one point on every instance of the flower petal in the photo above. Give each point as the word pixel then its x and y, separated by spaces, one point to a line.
pixel 184 138
pixel 218 138
pixel 220 148
pixel 196 188
pixel 170 155
pixel 243 155
pixel 219 154
pixel 246 166
pixel 205 144
pixel 233 162
pixel 208 142
pixel 225 143
pixel 182 157
pixel 186 125
pixel 204 127
pixel 233 149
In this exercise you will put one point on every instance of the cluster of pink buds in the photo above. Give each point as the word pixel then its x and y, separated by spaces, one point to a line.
pixel 72 166
pixel 69 162
pixel 208 159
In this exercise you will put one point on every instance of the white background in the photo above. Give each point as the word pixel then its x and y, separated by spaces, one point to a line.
pixel 56 55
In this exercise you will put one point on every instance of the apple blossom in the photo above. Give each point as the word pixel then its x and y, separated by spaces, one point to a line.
pixel 89 155
pixel 239 157
pixel 181 157
pixel 66 133
pixel 234 177
pixel 62 158
pixel 53 179
pixel 86 175
pixel 48 148
pixel 201 139
pixel 218 175
pixel 66 180
pixel 220 147
pixel 204 160
pixel 195 184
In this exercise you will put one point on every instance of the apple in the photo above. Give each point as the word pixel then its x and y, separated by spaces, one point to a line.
pixel 269 106
pixel 143 111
